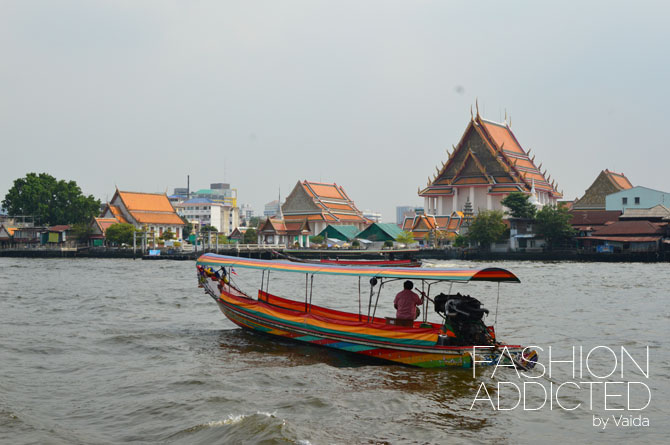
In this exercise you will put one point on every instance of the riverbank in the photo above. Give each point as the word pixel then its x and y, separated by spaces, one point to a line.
pixel 273 252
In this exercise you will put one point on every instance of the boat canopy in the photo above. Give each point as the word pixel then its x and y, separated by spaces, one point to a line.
pixel 429 273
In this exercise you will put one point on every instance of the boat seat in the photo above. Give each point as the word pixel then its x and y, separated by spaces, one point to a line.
pixel 399 321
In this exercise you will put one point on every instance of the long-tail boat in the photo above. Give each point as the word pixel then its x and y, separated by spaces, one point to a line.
pixel 365 262
pixel 460 339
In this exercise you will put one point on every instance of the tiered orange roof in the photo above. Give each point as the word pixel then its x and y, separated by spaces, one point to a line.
pixel 282 227
pixel 422 225
pixel 318 201
pixel 116 212
pixel 144 208
pixel 510 167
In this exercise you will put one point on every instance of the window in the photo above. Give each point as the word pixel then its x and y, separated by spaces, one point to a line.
pixel 624 201
pixel 637 200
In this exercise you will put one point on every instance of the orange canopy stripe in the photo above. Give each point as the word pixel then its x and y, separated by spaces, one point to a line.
pixel 429 273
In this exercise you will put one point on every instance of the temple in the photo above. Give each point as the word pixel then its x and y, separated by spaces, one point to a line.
pixel 321 204
pixel 151 210
pixel 605 184
pixel 487 165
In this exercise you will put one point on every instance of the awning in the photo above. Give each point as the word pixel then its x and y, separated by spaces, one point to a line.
pixel 429 273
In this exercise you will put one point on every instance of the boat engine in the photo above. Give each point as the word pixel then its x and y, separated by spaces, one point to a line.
pixel 464 315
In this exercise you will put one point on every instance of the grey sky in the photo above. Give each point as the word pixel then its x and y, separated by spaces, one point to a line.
pixel 368 94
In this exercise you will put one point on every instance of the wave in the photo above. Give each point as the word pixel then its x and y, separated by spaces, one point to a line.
pixel 240 428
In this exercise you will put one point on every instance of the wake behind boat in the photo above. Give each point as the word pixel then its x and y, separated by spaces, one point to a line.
pixel 458 340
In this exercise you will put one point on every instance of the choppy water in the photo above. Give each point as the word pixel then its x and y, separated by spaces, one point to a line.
pixel 119 351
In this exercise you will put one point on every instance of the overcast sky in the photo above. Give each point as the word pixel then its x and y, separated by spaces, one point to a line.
pixel 367 94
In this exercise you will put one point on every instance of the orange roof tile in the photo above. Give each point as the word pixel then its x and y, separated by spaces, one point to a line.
pixel 332 205
pixel 454 224
pixel 157 218
pixel 104 223
pixel 323 190
pixel 116 211
pixel 503 137
pixel 619 179
pixel 146 201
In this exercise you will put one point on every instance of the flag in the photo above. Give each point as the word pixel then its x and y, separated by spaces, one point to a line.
pixel 232 271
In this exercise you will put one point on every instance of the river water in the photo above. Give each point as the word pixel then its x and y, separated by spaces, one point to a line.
pixel 123 351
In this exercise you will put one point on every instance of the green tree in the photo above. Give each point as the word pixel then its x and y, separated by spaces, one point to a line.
pixel 553 224
pixel 388 243
pixel 461 241
pixel 121 233
pixel 487 227
pixel 186 231
pixel 168 235
pixel 405 238
pixel 223 239
pixel 82 232
pixel 49 200
pixel 355 244
pixel 250 236
pixel 318 239
pixel 205 229
pixel 519 205
pixel 254 221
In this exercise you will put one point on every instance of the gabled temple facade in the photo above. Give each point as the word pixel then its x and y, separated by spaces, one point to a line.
pixel 151 210
pixel 605 184
pixel 286 233
pixel 487 165
pixel 322 204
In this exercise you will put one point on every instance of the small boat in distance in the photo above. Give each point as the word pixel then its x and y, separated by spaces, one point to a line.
pixel 386 262
pixel 364 262
pixel 460 339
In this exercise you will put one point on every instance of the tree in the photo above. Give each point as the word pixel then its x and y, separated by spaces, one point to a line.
pixel 519 205
pixel 461 241
pixel 186 231
pixel 254 221
pixel 318 239
pixel 205 229
pixel 121 233
pixel 49 200
pixel 168 235
pixel 250 236
pixel 223 239
pixel 553 224
pixel 82 232
pixel 487 227
pixel 405 238
pixel 388 243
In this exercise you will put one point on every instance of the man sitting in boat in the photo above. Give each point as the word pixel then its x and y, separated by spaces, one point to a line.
pixel 406 302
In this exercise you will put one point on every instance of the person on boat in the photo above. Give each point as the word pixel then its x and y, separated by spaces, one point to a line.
pixel 406 302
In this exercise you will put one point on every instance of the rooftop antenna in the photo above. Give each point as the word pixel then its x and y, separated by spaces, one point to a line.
pixel 188 187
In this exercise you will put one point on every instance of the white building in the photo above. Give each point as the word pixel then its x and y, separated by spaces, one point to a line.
pixel 206 212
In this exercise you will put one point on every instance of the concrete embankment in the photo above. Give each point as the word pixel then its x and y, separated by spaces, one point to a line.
pixel 269 253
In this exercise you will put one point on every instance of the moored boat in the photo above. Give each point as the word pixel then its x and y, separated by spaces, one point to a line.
pixel 461 337
pixel 365 262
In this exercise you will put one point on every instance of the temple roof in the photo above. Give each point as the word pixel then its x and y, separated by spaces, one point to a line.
pixel 321 201
pixel 146 208
pixel 606 183
pixel 489 154
pixel 104 223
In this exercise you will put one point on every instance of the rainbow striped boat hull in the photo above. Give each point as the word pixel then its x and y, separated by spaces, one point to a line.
pixel 414 346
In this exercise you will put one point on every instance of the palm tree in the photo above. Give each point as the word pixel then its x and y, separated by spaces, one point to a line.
pixel 405 238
